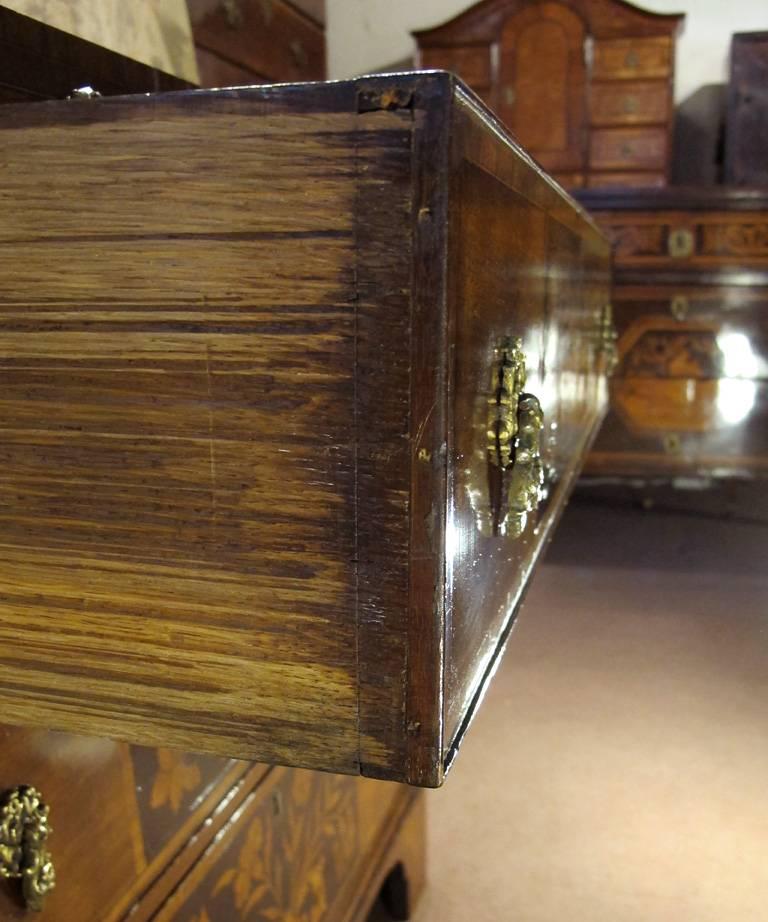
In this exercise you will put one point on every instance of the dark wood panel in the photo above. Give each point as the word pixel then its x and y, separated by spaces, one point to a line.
pixel 746 129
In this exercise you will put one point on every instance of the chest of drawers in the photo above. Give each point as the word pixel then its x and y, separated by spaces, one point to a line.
pixel 690 301
pixel 295 382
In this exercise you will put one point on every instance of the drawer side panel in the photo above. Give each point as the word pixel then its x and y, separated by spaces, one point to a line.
pixel 177 337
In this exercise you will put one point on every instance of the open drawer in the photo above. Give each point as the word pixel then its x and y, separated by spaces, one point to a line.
pixel 295 381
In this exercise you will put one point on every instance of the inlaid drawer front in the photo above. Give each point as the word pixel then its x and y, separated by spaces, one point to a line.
pixel 628 148
pixel 700 238
pixel 291 852
pixel 472 64
pixel 631 58
pixel 247 427
pixel 629 103
pixel 128 809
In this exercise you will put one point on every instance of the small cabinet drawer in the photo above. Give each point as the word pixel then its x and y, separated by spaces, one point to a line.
pixel 628 148
pixel 629 103
pixel 268 38
pixel 250 502
pixel 632 58
pixel 472 63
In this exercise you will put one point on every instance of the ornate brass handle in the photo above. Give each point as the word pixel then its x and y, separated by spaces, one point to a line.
pixel 515 421
pixel 24 830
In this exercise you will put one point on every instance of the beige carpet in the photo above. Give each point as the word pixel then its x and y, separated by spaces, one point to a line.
pixel 618 770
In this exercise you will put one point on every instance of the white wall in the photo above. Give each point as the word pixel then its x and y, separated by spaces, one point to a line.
pixel 365 35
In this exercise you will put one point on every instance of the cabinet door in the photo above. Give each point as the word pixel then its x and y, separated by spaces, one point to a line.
pixel 542 95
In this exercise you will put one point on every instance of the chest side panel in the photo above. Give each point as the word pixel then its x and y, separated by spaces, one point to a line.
pixel 177 357
pixel 526 266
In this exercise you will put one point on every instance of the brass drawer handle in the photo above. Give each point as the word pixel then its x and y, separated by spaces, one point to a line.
pixel 515 421
pixel 24 830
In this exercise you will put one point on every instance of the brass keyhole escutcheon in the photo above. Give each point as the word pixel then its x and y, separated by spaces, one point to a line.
pixel 680 242
pixel 679 307
pixel 24 830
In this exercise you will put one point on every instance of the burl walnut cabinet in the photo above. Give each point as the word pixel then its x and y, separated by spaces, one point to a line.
pixel 586 86
pixel 689 397
pixel 295 382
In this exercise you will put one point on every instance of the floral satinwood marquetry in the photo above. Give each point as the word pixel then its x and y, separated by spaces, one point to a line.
pixel 176 776
pixel 169 783
pixel 290 858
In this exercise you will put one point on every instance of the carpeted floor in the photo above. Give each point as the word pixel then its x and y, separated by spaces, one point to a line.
pixel 618 770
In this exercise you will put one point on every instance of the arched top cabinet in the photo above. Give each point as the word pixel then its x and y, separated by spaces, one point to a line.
pixel 585 85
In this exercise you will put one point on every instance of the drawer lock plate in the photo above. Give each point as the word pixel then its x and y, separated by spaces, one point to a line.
pixel 24 830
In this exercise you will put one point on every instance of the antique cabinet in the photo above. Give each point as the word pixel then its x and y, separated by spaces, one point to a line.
pixel 296 380
pixel 746 124
pixel 689 397
pixel 601 70
pixel 160 834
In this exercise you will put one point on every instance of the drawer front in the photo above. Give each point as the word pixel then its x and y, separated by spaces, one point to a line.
pixel 629 103
pixel 472 63
pixel 117 814
pixel 538 274
pixel 690 393
pixel 628 148
pixel 632 58
pixel 303 846
pixel 634 179
pixel 697 239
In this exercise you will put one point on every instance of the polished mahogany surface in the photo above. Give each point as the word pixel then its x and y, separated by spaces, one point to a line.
pixel 523 264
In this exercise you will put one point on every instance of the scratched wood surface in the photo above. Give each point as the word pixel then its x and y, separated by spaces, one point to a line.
pixel 177 348
pixel 226 324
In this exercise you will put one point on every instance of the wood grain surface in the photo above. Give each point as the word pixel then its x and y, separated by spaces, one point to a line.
pixel 227 323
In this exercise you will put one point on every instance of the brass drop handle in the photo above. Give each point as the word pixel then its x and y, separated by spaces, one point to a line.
pixel 24 830
pixel 515 422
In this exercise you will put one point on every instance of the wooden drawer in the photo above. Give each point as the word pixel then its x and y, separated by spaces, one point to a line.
pixel 628 149
pixel 632 58
pixel 690 394
pixel 117 814
pixel 631 179
pixel 624 103
pixel 304 845
pixel 137 834
pixel 471 63
pixel 270 38
pixel 251 350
